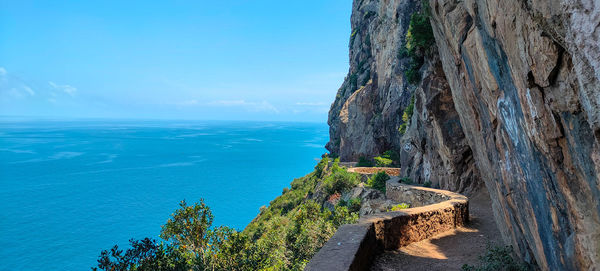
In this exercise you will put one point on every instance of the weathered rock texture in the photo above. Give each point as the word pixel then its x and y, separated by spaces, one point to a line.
pixel 413 197
pixel 365 117
pixel 434 148
pixel 516 101
pixel 366 114
pixel 524 79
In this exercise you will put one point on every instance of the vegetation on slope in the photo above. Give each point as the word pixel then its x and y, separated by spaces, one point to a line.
pixel 418 41
pixel 284 236
pixel 389 158
pixel 406 115
pixel 378 180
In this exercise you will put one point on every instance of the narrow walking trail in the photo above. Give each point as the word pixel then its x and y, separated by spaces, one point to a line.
pixel 449 250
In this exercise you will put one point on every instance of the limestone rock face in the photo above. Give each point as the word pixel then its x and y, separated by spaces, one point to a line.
pixel 366 114
pixel 365 117
pixel 434 148
pixel 524 78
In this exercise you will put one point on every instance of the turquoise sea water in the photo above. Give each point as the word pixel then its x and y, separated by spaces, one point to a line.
pixel 72 189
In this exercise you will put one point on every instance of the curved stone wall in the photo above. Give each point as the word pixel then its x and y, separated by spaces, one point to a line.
pixel 392 171
pixel 354 246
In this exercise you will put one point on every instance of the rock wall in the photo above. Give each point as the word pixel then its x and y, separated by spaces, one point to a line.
pixel 524 80
pixel 367 112
pixel 434 148
pixel 511 96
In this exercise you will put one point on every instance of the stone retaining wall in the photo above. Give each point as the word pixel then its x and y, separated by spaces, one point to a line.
pixel 415 197
pixel 354 246
pixel 392 171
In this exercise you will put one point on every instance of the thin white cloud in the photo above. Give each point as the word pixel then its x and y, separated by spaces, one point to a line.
pixel 189 103
pixel 228 103
pixel 13 87
pixel 3 77
pixel 64 88
pixel 28 90
pixel 312 104
pixel 263 106
pixel 15 93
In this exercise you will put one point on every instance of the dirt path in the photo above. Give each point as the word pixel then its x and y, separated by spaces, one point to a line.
pixel 449 250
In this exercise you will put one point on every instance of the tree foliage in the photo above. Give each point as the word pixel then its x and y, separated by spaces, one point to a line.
pixel 284 236
pixel 189 227
pixel 418 40
pixel 378 180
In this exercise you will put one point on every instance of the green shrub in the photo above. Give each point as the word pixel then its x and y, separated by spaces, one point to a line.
pixel 419 38
pixel 497 258
pixel 322 165
pixel 407 115
pixel 409 110
pixel 402 128
pixel 427 184
pixel 189 226
pixel 364 162
pixel 391 154
pixel 400 206
pixel 354 204
pixel 383 162
pixel 377 181
pixel 406 180
pixel 420 33
pixel 340 180
pixel 352 36
pixel 412 74
pixel 344 215
pixel 387 159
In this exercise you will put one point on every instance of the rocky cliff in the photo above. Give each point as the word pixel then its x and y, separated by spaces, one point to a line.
pixel 524 80
pixel 367 113
pixel 509 92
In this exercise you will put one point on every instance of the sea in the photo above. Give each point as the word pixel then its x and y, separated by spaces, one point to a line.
pixel 70 189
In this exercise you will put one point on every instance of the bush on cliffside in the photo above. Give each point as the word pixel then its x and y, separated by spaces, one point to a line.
pixel 340 180
pixel 400 207
pixel 418 40
pixel 378 180
pixel 284 236
pixel 364 162
pixel 387 159
pixel 407 115
pixel 382 161
pixel 353 204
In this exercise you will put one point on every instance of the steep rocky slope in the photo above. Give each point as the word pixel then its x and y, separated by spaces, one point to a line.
pixel 434 148
pixel 511 94
pixel 524 80
pixel 367 113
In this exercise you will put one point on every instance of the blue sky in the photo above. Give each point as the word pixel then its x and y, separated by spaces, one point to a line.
pixel 234 60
